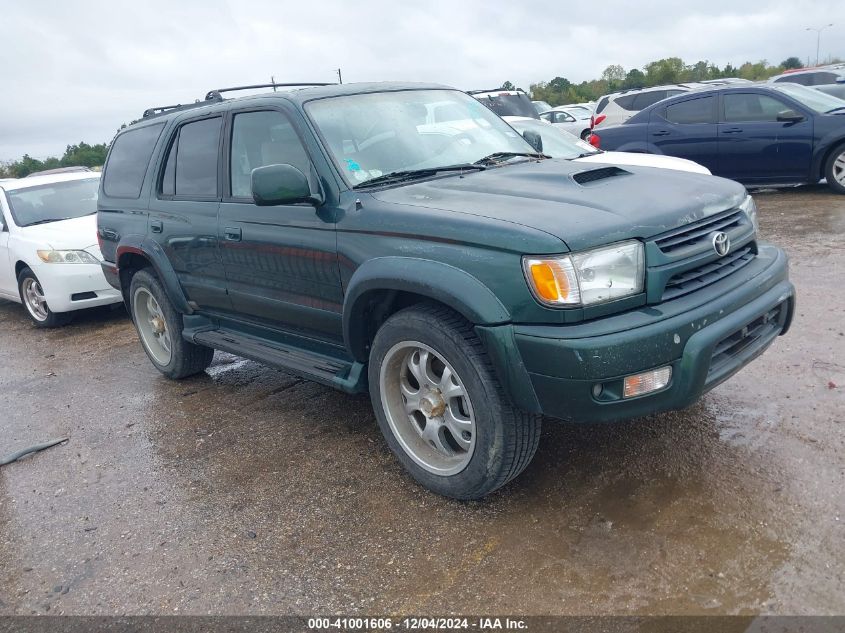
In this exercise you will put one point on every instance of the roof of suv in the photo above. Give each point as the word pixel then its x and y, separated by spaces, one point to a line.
pixel 297 94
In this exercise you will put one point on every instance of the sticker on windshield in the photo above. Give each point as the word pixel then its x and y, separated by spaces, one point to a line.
pixel 351 165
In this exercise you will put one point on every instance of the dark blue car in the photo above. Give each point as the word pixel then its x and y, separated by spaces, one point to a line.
pixel 757 134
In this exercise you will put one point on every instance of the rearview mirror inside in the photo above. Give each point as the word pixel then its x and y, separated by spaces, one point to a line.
pixel 281 184
pixel 534 139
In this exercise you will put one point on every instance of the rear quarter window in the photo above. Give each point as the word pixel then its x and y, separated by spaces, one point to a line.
pixel 645 99
pixel 128 160
pixel 602 104
pixel 626 102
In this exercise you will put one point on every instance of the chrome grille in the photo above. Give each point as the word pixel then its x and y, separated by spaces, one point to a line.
pixel 711 272
pixel 694 234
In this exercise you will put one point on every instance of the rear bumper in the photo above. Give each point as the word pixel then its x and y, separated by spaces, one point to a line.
pixel 576 372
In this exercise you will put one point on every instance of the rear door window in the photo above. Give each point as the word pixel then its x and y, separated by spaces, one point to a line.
pixel 128 159
pixel 191 167
pixel 700 110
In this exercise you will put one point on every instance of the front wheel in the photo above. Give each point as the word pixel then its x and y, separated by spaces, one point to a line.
pixel 441 408
pixel 835 171
pixel 32 297
pixel 160 329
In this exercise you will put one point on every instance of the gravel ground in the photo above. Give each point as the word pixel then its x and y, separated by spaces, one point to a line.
pixel 248 491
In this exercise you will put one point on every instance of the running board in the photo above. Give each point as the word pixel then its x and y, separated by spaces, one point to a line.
pixel 334 372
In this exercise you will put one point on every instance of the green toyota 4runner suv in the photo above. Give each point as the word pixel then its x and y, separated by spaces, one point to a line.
pixel 402 239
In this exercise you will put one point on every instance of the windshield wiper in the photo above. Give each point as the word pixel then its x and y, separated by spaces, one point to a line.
pixel 835 109
pixel 495 157
pixel 407 174
pixel 46 220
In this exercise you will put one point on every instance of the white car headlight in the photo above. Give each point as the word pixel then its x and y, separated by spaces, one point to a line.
pixel 589 277
pixel 750 208
pixel 67 257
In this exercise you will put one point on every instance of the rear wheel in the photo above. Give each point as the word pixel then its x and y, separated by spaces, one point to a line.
pixel 835 171
pixel 32 297
pixel 160 329
pixel 441 407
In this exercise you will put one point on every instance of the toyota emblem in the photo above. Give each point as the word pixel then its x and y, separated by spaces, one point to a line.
pixel 721 243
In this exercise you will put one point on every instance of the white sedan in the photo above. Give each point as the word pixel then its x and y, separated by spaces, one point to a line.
pixel 558 143
pixel 49 256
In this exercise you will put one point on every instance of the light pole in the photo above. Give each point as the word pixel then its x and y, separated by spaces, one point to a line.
pixel 818 38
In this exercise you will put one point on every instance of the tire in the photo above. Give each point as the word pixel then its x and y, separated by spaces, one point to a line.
pixel 834 171
pixel 585 135
pixel 32 298
pixel 160 327
pixel 463 446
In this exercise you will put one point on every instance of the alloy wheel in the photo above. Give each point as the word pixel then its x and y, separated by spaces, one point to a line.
pixel 34 300
pixel 427 407
pixel 152 326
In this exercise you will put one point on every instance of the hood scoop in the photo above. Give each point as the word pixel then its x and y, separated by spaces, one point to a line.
pixel 594 175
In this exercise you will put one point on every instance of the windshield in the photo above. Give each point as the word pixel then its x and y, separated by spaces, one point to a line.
pixel 53 202
pixel 813 99
pixel 579 113
pixel 541 106
pixel 370 135
pixel 557 143
pixel 505 104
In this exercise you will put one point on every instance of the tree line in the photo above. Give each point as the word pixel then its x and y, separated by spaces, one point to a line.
pixel 83 155
pixel 671 70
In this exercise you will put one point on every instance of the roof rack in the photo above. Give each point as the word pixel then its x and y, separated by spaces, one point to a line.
pixel 214 95
pixel 159 110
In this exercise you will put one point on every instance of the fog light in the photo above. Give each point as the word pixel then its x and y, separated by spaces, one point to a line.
pixel 646 382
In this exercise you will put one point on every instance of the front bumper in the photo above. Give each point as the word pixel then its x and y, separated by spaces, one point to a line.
pixel 75 286
pixel 706 337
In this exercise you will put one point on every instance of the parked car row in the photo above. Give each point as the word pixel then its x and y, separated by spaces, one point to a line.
pixel 49 256
pixel 829 79
pixel 762 134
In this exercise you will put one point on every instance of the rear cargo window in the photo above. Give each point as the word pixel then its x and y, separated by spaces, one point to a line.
pixel 128 159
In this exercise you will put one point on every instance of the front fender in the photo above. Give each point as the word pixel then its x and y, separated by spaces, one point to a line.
pixel 151 251
pixel 438 281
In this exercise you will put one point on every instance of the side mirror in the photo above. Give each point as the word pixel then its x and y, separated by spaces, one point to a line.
pixel 790 116
pixel 281 184
pixel 534 139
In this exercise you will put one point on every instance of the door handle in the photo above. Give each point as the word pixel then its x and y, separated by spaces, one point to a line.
pixel 661 133
pixel 156 226
pixel 232 233
pixel 732 130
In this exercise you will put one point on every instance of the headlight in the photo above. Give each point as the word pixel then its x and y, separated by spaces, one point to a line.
pixel 750 208
pixel 586 278
pixel 67 257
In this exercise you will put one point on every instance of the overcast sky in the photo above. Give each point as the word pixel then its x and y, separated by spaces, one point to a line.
pixel 74 71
